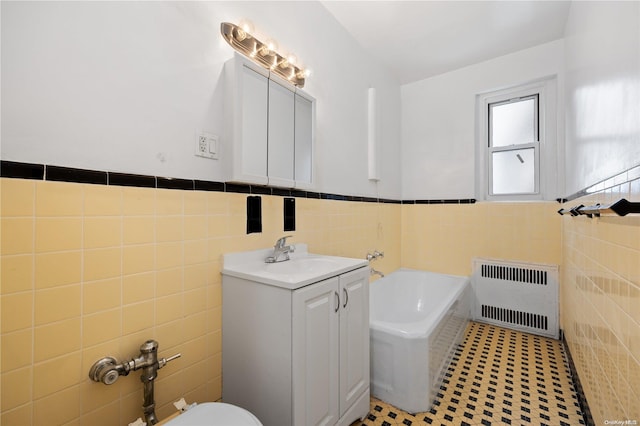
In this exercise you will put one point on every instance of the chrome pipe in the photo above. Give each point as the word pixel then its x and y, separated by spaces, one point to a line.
pixel 107 370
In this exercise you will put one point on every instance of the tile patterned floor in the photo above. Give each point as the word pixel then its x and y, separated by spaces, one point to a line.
pixel 497 377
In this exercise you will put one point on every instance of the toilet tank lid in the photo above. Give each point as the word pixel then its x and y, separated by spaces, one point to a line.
pixel 215 413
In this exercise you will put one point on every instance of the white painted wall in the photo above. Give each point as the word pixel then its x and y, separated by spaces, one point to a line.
pixel 602 91
pixel 125 86
pixel 439 119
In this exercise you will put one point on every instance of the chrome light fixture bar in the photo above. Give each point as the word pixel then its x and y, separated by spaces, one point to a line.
pixel 262 54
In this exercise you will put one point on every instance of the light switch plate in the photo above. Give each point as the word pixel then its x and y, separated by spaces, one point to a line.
pixel 207 145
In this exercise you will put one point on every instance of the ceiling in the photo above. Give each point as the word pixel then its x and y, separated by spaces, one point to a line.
pixel 420 39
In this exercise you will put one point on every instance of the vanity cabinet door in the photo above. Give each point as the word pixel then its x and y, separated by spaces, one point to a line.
pixel 316 310
pixel 354 336
pixel 280 152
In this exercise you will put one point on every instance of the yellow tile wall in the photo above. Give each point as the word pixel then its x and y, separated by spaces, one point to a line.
pixel 89 271
pixel 600 303
pixel 445 238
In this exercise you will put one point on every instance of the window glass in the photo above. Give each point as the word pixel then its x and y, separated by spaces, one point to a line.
pixel 513 171
pixel 513 122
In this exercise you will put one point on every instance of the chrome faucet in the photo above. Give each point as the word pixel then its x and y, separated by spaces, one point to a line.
pixel 376 254
pixel 375 272
pixel 280 251
pixel 107 370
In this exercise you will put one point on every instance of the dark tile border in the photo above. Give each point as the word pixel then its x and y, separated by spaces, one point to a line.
pixel 315 195
pixel 582 399
pixel 67 174
pixel 237 187
pixel 205 185
pixel 261 190
pixel 18 170
pixel 283 192
pixel 448 201
pixel 126 179
pixel 172 183
pixel 11 169
pixel 336 197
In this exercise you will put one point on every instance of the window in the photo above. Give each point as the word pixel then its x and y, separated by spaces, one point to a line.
pixel 516 143
pixel 513 146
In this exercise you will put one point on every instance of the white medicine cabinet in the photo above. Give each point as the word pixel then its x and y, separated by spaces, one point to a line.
pixel 271 125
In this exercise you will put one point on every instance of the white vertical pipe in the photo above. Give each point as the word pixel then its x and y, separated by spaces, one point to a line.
pixel 372 139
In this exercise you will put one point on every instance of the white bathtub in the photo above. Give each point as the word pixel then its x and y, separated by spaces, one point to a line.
pixel 418 318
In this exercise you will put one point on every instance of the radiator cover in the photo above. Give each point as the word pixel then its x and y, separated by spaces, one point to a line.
pixel 516 295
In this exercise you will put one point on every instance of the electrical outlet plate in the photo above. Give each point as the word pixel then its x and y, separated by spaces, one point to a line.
pixel 207 145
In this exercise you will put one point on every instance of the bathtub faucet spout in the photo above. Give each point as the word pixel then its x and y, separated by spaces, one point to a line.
pixel 375 272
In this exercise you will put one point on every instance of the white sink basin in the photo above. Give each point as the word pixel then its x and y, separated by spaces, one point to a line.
pixel 303 264
pixel 303 268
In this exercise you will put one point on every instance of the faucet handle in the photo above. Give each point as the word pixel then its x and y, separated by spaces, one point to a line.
pixel 282 241
pixel 163 361
pixel 376 254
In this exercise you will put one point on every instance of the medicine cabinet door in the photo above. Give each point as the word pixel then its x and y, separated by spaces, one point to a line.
pixel 304 114
pixel 252 161
pixel 280 152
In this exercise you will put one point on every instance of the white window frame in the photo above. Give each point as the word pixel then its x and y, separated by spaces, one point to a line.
pixel 545 148
pixel 505 148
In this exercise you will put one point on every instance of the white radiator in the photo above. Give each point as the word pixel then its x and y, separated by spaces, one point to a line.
pixel 521 296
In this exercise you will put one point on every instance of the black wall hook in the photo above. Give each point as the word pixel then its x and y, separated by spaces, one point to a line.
pixel 622 207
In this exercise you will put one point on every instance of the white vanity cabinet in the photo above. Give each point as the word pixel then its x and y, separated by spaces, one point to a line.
pixel 297 356
pixel 330 348
pixel 270 127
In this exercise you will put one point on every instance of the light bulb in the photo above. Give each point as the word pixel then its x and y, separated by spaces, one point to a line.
pixel 284 64
pixel 264 50
pixel 246 25
pixel 240 34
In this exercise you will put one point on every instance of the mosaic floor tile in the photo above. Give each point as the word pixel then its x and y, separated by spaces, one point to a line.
pixel 497 377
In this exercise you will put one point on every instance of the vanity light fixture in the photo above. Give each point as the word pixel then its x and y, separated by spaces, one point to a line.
pixel 263 53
